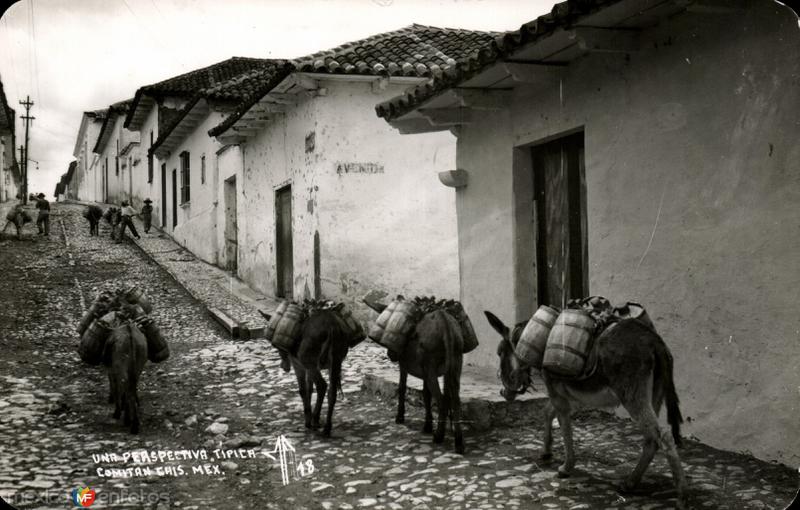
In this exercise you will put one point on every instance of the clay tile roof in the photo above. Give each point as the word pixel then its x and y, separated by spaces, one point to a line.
pixel 207 78
pixel 108 116
pixel 563 14
pixel 416 50
pixel 241 89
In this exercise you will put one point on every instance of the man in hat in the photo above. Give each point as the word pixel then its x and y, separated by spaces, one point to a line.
pixel 128 213
pixel 43 219
pixel 147 214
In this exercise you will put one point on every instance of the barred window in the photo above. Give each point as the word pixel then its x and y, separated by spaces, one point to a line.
pixel 184 177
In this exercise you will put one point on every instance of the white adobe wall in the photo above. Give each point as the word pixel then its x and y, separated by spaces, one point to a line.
pixel 141 188
pixel 693 143
pixel 197 219
pixel 392 232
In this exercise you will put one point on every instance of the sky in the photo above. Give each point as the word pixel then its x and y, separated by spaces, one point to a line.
pixel 71 56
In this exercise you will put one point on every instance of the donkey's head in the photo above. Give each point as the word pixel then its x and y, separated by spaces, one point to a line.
pixel 514 374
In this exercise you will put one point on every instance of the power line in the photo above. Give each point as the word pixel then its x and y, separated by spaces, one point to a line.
pixel 35 53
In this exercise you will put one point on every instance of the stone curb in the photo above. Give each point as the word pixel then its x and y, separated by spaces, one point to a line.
pixel 477 413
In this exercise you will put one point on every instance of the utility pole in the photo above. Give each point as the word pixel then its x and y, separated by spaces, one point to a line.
pixel 27 118
pixel 21 163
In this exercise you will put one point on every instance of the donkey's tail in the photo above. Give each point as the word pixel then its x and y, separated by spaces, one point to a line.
pixel 453 351
pixel 664 364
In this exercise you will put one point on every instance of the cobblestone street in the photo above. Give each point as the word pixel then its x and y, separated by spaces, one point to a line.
pixel 215 394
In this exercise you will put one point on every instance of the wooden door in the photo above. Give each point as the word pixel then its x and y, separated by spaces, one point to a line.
pixel 174 198
pixel 283 241
pixel 560 198
pixel 231 227
pixel 164 196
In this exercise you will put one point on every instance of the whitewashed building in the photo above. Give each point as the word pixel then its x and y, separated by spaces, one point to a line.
pixel 645 151
pixel 329 201
pixel 117 156
pixel 88 178
pixel 9 171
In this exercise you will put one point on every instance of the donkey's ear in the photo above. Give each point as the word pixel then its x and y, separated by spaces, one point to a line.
pixel 496 323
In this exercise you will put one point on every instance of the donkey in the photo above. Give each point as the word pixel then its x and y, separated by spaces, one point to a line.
pixel 435 348
pixel 93 213
pixel 323 345
pixel 634 368
pixel 126 352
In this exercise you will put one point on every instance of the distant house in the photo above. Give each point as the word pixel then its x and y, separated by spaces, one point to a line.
pixel 64 187
pixel 158 106
pixel 642 151
pixel 114 148
pixel 197 165
pixel 10 182
pixel 329 201
pixel 88 181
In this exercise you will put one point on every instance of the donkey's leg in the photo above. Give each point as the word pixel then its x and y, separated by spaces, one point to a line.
pixel 401 397
pixel 427 428
pixel 564 411
pixel 433 385
pixel 549 416
pixel 455 417
pixel 300 374
pixel 309 387
pixel 321 386
pixel 133 405
pixel 333 388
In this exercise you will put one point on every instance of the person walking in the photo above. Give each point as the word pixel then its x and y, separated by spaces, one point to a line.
pixel 147 214
pixel 18 217
pixel 43 219
pixel 128 213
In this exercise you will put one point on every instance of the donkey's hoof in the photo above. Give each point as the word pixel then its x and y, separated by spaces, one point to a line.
pixel 546 457
pixel 326 432
pixel 460 446
pixel 627 486
pixel 400 419
pixel 427 428
pixel 438 438
pixel 563 472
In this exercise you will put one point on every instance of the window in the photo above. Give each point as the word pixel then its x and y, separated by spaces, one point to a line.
pixel 116 161
pixel 184 177
pixel 203 169
pixel 150 159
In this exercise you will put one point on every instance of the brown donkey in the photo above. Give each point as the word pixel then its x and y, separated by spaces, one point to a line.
pixel 434 349
pixel 126 349
pixel 634 368
pixel 323 345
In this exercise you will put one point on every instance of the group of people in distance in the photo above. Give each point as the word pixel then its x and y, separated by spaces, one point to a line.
pixel 18 217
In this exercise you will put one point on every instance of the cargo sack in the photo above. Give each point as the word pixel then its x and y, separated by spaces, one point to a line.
pixel 467 331
pixel 289 328
pixel 394 324
pixel 12 215
pixel 533 340
pixel 94 339
pixel 352 328
pixel 275 318
pixel 568 343
pixel 157 348
pixel 97 309
pixel 135 296
pixel 631 310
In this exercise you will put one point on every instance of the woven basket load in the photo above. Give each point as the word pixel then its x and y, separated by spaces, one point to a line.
pixel 275 318
pixel 394 324
pixel 289 327
pixel 93 340
pixel 533 340
pixel 135 296
pixel 157 347
pixel 353 329
pixel 568 343
pixel 631 310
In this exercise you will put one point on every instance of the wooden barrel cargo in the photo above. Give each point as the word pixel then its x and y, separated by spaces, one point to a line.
pixel 289 327
pixel 97 309
pixel 399 326
pixel 157 347
pixel 568 343
pixel 533 340
pixel 631 310
pixel 467 331
pixel 136 296
pixel 379 327
pixel 93 340
pixel 273 320
pixel 353 329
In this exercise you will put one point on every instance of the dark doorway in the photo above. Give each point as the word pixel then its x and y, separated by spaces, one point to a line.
pixel 164 196
pixel 231 229
pixel 283 241
pixel 559 184
pixel 174 198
